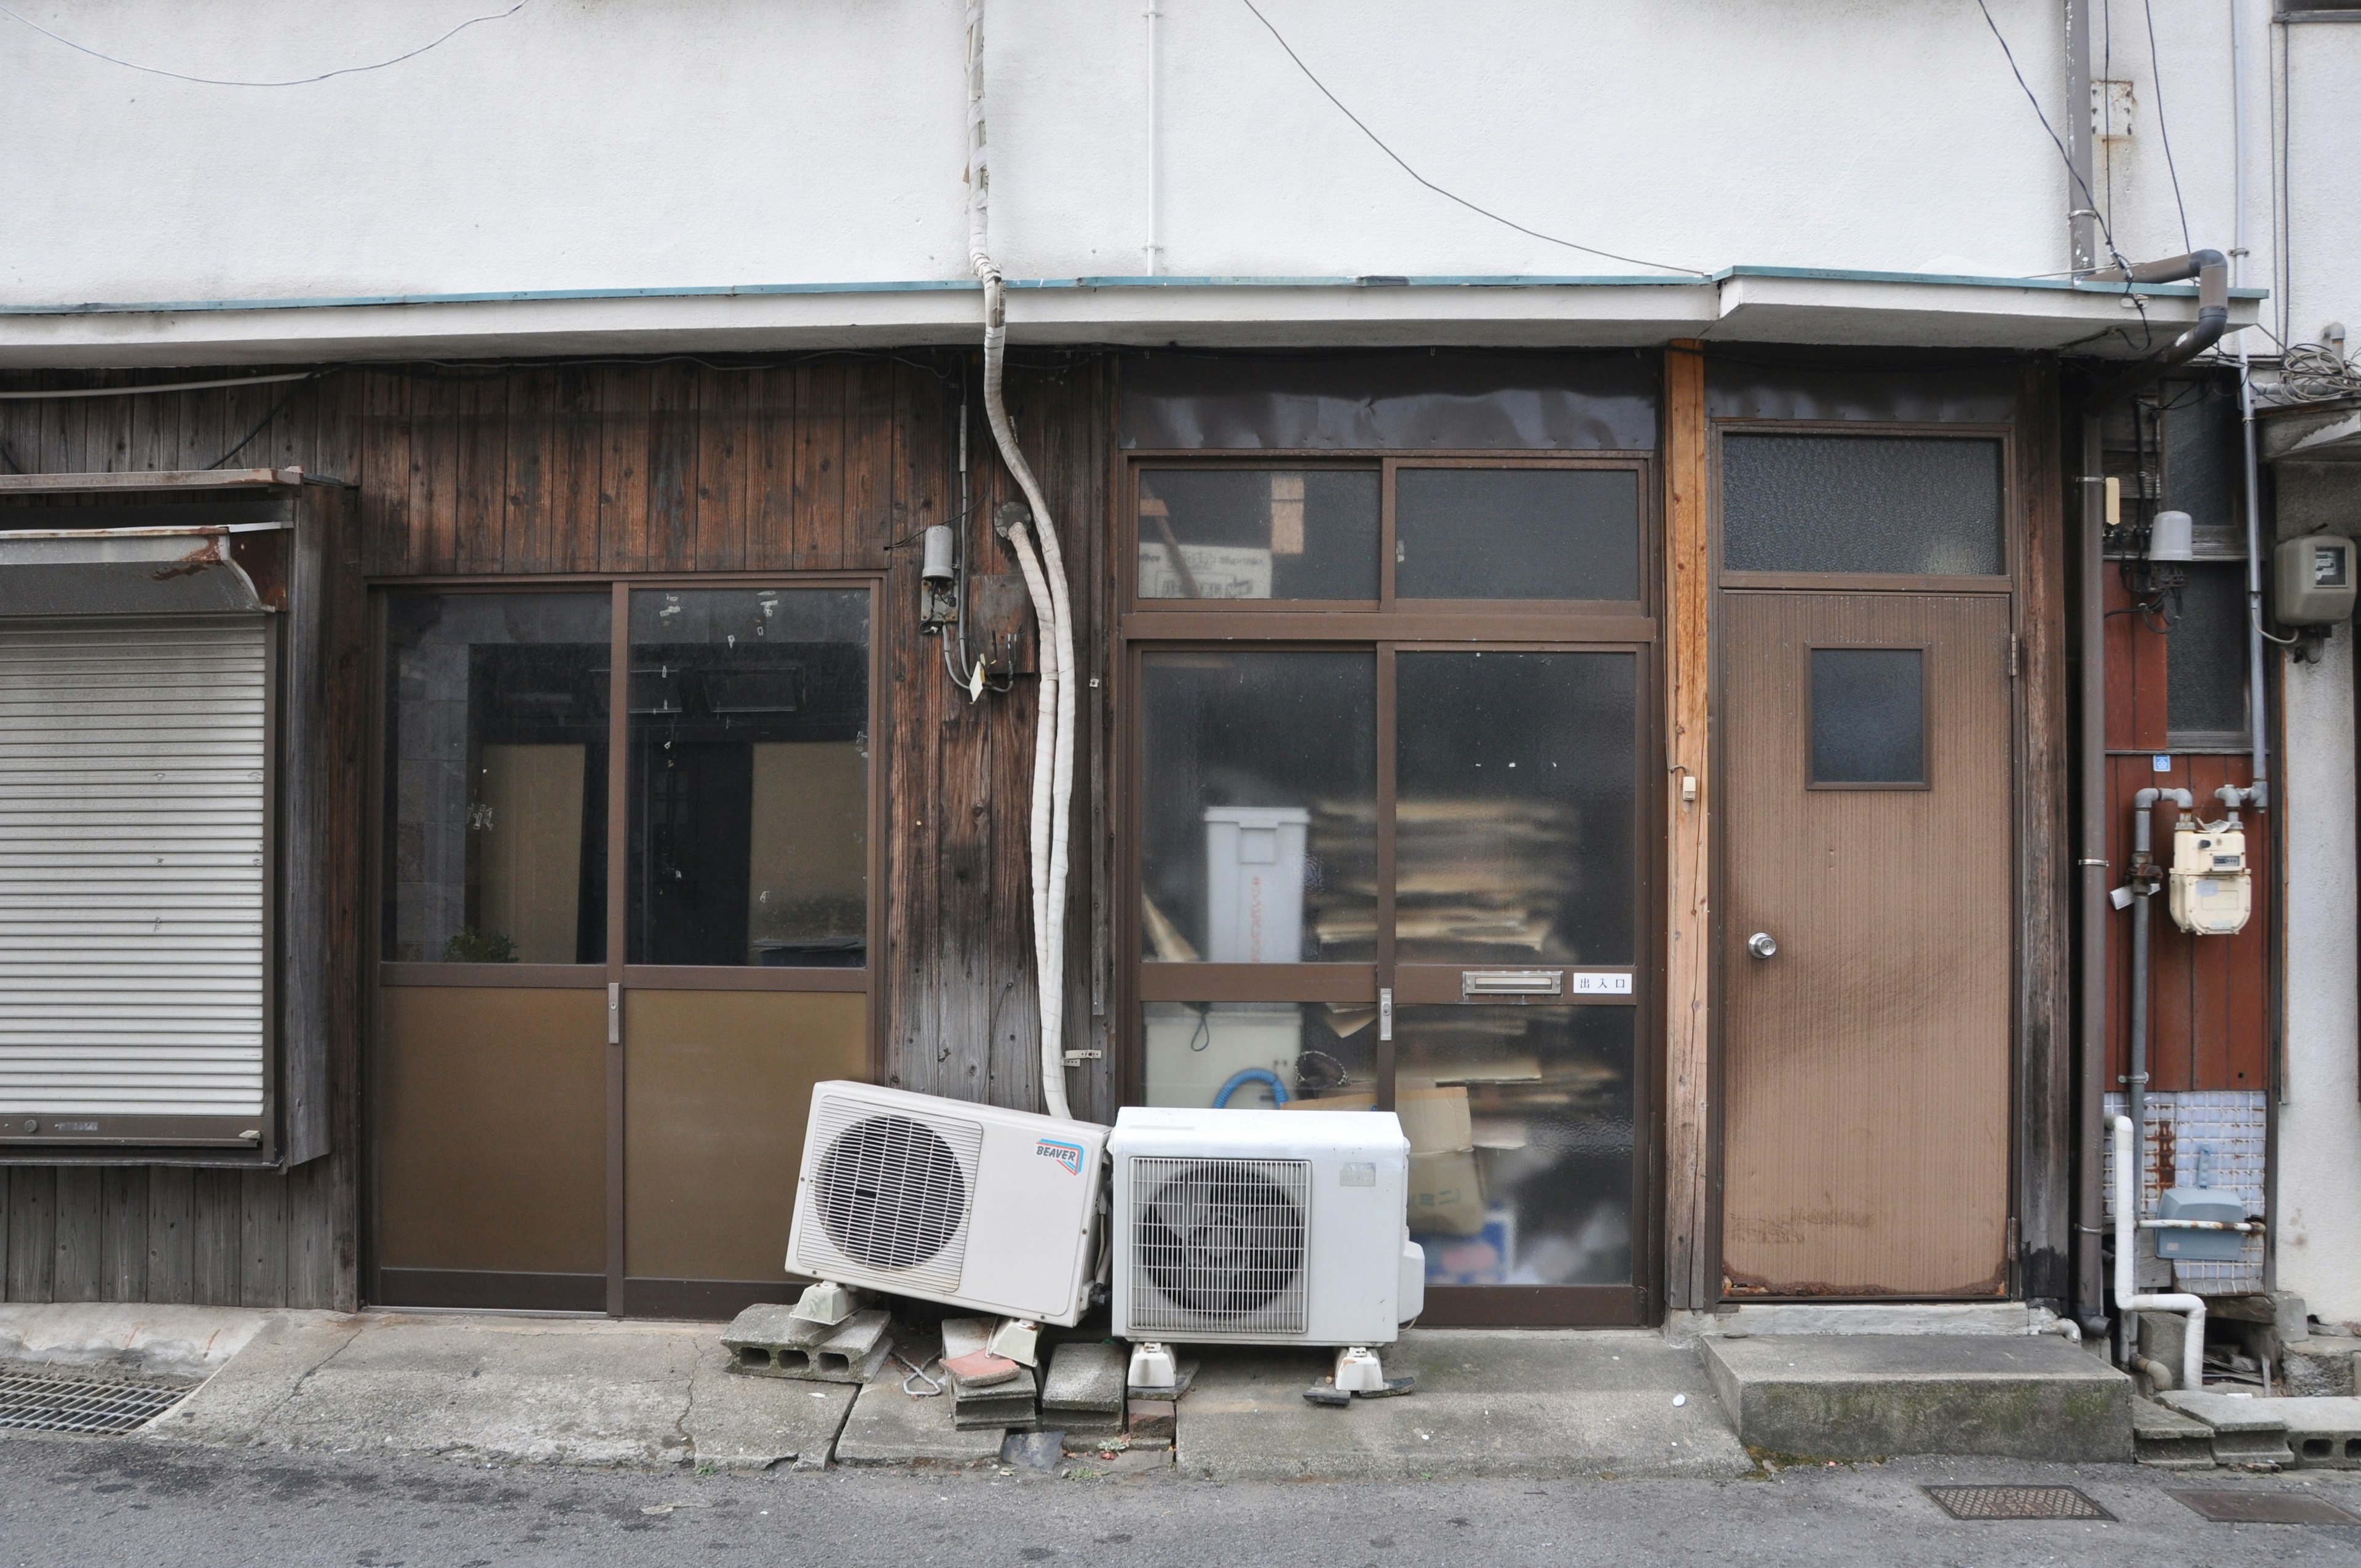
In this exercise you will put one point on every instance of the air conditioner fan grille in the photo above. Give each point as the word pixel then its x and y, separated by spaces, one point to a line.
pixel 891 1194
pixel 1219 1246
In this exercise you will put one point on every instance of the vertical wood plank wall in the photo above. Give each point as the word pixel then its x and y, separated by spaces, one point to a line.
pixel 815 465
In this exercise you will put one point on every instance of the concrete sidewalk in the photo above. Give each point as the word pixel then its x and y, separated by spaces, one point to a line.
pixel 659 1395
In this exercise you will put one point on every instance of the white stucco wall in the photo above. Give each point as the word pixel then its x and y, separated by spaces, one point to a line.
pixel 2319 1200
pixel 601 144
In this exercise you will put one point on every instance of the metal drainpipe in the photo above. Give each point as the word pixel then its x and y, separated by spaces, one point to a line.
pixel 2211 269
pixel 2142 886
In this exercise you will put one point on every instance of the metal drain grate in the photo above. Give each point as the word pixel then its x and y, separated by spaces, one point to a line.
pixel 2266 1507
pixel 2016 1503
pixel 82 1404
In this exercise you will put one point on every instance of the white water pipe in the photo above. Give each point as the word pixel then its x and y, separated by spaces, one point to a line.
pixel 2193 1345
pixel 1045 583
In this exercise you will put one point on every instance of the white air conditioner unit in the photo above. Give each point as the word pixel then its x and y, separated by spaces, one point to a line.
pixel 991 1210
pixel 1263 1227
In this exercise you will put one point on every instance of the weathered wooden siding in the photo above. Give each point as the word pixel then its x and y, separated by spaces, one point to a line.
pixel 825 463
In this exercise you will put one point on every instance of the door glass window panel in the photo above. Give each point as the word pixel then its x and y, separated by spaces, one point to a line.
pixel 1517 807
pixel 749 777
pixel 1522 1124
pixel 1261 534
pixel 1869 716
pixel 1258 816
pixel 1924 506
pixel 1258 1054
pixel 496 778
pixel 1517 533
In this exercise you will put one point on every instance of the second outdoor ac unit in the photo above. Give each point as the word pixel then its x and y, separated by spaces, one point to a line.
pixel 1271 1227
pixel 991 1210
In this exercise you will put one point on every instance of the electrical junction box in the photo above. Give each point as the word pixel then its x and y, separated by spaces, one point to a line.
pixel 2209 892
pixel 2313 580
pixel 2201 1246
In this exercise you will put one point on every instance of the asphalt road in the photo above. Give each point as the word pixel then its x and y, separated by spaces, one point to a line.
pixel 99 1502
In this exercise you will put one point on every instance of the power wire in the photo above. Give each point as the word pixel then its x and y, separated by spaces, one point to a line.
pixel 2089 201
pixel 1448 195
pixel 2155 71
pixel 230 81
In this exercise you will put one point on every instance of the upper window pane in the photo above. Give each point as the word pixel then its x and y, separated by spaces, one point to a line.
pixel 1869 716
pixel 496 778
pixel 1924 506
pixel 1517 533
pixel 2205 653
pixel 1258 821
pixel 749 777
pixel 1260 534
pixel 1516 809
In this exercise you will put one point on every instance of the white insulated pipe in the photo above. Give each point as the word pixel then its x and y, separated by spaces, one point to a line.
pixel 1045 583
pixel 2128 1302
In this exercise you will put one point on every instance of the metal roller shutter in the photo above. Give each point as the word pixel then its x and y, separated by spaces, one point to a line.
pixel 132 821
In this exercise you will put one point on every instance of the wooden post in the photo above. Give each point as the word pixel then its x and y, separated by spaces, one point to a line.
pixel 1688 1249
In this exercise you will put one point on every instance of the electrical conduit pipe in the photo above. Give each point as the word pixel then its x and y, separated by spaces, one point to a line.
pixel 2143 890
pixel 1045 583
pixel 2192 1347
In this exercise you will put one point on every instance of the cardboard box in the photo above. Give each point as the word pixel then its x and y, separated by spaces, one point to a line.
pixel 1436 1121
pixel 1447 1194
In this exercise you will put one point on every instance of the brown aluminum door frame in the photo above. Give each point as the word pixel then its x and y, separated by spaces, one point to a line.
pixel 614 972
pixel 1384 630
pixel 2014 506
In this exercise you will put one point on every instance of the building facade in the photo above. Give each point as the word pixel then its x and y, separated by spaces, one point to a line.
pixel 1586 578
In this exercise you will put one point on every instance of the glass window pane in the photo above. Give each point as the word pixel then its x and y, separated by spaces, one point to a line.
pixel 749 777
pixel 1520 1121
pixel 1517 533
pixel 1262 533
pixel 1869 716
pixel 1517 807
pixel 1918 505
pixel 496 778
pixel 2205 653
pixel 1315 1050
pixel 1258 810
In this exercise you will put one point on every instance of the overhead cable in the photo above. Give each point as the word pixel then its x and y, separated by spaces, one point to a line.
pixel 1379 142
pixel 235 81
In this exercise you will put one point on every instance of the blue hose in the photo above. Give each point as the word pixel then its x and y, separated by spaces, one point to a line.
pixel 1251 1075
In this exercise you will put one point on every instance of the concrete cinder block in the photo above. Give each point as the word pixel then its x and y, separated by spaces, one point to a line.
pixel 2246 1431
pixel 2169 1440
pixel 965 1336
pixel 1867 1396
pixel 2322 1434
pixel 784 1346
pixel 2289 1319
pixel 1084 1378
pixel 1154 1421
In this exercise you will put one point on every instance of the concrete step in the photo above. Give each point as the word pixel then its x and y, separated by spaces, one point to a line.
pixel 2165 1438
pixel 1868 1396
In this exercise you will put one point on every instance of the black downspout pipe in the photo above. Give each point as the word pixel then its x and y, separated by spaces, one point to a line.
pixel 2211 270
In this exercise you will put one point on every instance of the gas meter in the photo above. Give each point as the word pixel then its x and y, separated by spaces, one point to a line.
pixel 2211 891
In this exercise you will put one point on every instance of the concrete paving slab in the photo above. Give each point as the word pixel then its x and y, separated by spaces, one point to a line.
pixel 1491 1402
pixel 752 1423
pixel 889 1427
pixel 1871 1395
pixel 1753 1319
pixel 516 1389
pixel 176 1342
pixel 1086 1376
pixel 2247 1430
pixel 237 1403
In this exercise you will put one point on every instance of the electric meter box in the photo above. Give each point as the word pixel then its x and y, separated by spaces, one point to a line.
pixel 2211 890
pixel 2313 580
pixel 2201 1246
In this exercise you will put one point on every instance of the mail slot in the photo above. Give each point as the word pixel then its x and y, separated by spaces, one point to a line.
pixel 1476 983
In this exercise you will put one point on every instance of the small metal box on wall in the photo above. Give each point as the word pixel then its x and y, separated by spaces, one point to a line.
pixel 2313 580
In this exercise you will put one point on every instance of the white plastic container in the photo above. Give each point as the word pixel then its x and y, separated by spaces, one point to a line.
pixel 1254 884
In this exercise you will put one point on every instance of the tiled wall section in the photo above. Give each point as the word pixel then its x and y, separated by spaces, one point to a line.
pixel 2229 1122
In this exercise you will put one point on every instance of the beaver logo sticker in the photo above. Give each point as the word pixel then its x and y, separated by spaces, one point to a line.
pixel 1069 1155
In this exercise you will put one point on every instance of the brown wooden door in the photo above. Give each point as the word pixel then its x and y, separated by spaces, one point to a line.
pixel 1868 787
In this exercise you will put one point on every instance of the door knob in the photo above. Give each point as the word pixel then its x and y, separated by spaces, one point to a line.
pixel 1761 945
